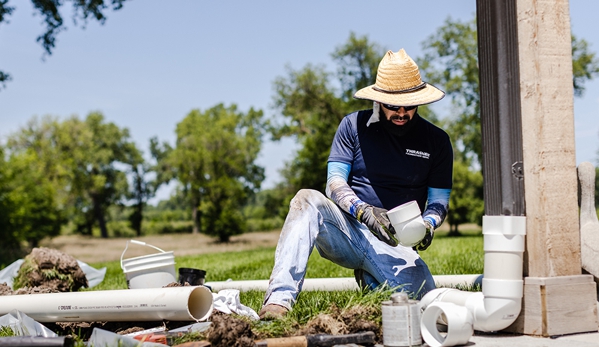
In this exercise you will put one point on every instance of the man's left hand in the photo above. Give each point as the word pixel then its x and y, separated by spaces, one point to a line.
pixel 428 238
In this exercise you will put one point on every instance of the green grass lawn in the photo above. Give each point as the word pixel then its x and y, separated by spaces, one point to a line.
pixel 447 255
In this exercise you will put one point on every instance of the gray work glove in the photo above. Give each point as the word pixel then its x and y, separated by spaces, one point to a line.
pixel 428 238
pixel 375 218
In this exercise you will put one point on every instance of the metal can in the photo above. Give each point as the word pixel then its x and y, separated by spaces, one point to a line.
pixel 401 321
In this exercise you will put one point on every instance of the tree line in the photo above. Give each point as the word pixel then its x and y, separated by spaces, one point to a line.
pixel 75 173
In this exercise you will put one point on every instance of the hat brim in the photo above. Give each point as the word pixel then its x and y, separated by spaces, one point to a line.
pixel 423 96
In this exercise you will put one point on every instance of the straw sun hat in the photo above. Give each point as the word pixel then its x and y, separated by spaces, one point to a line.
pixel 398 83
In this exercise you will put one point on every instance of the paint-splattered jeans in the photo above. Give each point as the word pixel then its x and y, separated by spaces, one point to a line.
pixel 314 220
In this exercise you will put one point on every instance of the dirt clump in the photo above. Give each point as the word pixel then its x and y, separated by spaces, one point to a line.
pixel 5 289
pixel 361 318
pixel 36 290
pixel 230 331
pixel 51 269
pixel 353 320
pixel 176 284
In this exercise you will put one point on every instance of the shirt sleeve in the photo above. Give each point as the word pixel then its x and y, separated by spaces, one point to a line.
pixel 338 190
pixel 437 206
pixel 343 146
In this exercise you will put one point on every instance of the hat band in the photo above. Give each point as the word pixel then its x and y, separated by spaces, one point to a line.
pixel 409 90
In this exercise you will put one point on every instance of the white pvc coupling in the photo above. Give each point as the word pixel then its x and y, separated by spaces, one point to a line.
pixel 408 223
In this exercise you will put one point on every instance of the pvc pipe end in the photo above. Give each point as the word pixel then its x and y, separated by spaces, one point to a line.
pixel 411 233
pixel 200 303
pixel 404 212
pixel 459 324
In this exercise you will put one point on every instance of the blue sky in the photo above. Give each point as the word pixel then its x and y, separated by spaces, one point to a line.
pixel 154 61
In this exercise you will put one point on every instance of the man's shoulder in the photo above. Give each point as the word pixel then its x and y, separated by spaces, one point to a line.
pixel 359 114
pixel 358 118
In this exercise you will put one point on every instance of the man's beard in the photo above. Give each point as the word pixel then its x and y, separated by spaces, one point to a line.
pixel 394 129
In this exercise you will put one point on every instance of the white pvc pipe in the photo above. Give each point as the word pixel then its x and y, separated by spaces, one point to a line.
pixel 500 302
pixel 339 283
pixel 188 303
pixel 310 284
pixel 452 281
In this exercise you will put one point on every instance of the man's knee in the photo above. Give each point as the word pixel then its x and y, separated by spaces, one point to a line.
pixel 306 197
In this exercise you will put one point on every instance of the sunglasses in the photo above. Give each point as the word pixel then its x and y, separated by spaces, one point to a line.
pixel 395 108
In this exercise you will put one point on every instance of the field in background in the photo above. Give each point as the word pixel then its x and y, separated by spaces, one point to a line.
pixel 95 249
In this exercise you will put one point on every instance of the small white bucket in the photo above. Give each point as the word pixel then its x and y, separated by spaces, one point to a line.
pixel 148 271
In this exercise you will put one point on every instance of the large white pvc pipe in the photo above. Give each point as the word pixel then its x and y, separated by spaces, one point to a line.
pixel 499 304
pixel 188 303
pixel 339 283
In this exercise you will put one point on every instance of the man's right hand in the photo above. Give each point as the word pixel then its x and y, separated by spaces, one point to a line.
pixel 375 218
pixel 428 238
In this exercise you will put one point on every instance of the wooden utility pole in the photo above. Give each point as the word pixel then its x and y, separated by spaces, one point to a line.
pixel 529 162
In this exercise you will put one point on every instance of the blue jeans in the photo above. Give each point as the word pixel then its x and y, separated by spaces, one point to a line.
pixel 314 220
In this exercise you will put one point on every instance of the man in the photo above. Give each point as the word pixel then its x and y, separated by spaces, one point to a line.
pixel 380 159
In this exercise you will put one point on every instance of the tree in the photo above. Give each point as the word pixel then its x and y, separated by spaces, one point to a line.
pixel 311 108
pixel 38 212
pixel 597 182
pixel 451 62
pixel 312 112
pixel 214 159
pixel 597 187
pixel 142 189
pixel 10 246
pixel 50 11
pixel 585 65
pixel 85 161
pixel 357 63
pixel 95 154
pixel 466 203
pixel 146 179
pixel 31 203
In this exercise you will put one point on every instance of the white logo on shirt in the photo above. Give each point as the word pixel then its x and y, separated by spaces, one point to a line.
pixel 419 154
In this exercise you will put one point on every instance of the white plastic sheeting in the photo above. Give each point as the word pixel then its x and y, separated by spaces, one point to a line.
pixel 94 276
pixel 23 325
pixel 227 301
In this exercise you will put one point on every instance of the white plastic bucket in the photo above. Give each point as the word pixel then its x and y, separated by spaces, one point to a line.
pixel 148 271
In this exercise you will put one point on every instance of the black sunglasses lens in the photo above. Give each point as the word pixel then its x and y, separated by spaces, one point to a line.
pixel 391 107
pixel 395 108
